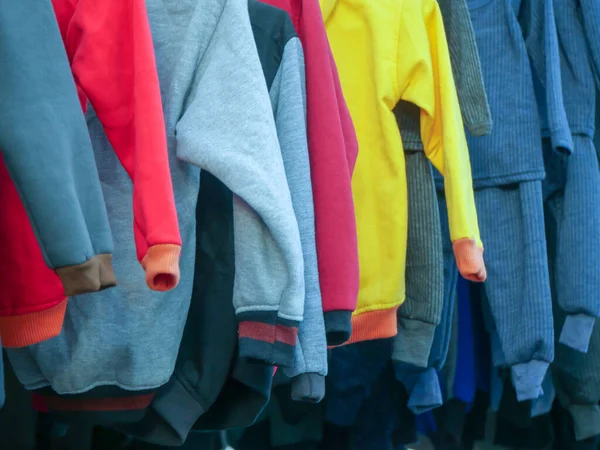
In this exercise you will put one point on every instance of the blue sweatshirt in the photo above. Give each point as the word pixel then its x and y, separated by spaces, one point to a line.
pixel 47 150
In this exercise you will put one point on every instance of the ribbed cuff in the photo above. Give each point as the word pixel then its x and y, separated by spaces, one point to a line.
pixel 482 128
pixel 161 264
pixel 527 379
pixel 32 328
pixel 268 338
pixel 426 393
pixel 413 342
pixel 338 326
pixel 586 420
pixel 308 387
pixel 91 276
pixel 577 332
pixel 469 259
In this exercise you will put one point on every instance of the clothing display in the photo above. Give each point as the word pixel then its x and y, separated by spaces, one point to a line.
pixel 300 224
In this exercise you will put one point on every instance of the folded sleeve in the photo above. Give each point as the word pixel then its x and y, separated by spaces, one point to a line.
pixel 228 129
pixel 424 77
pixel 112 59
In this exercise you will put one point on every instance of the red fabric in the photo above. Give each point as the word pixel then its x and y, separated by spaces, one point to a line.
pixel 333 149
pixel 112 59
pixel 28 284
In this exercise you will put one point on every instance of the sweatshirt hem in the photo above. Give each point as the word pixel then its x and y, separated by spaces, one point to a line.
pixel 379 324
pixel 93 275
pixel 100 410
pixel 266 337
pixel 32 328
pixel 338 326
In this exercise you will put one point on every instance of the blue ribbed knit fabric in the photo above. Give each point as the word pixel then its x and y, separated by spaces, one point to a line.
pixel 511 153
pixel 517 291
pixel 423 386
pixel 537 20
pixel 572 207
pixel 573 187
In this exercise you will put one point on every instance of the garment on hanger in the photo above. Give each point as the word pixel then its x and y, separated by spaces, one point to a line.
pixel 110 50
pixel 371 98
pixel 333 149
pixel 117 329
pixel 282 60
pixel 421 312
pixel 47 152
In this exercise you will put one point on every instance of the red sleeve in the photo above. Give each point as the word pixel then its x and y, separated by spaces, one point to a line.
pixel 333 149
pixel 112 58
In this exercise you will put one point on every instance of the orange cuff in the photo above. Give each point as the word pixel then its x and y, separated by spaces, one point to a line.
pixel 469 259
pixel 161 264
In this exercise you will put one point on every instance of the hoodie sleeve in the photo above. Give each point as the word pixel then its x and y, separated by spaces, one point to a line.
pixel 47 150
pixel 537 21
pixel 425 78
pixel 288 98
pixel 112 59
pixel 333 149
pixel 228 130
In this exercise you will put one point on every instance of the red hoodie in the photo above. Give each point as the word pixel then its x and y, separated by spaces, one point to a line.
pixel 333 149
pixel 110 50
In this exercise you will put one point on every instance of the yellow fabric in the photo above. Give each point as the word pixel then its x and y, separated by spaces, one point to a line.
pixel 387 51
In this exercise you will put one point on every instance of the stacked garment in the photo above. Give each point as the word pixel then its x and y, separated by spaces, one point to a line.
pixel 82 369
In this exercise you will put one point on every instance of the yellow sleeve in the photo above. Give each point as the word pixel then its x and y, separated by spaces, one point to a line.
pixel 425 79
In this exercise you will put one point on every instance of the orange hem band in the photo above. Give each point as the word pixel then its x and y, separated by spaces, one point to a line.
pixel 380 324
pixel 32 328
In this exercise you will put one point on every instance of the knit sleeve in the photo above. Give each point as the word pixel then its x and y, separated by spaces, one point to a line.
pixel 112 59
pixel 425 78
pixel 228 129
pixel 538 24
pixel 288 98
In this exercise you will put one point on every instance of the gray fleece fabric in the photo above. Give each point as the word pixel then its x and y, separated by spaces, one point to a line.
pixel 46 146
pixel 282 60
pixel 219 118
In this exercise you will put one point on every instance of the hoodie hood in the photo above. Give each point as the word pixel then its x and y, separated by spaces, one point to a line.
pixel 327 7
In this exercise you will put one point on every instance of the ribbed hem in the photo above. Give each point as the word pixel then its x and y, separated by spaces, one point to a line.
pixel 338 326
pixel 380 324
pixel 527 379
pixel 469 259
pixel 577 332
pixel 586 420
pixel 91 276
pixel 308 387
pixel 268 338
pixel 161 264
pixel 32 328
pixel 413 342
pixel 99 411
pixel 175 410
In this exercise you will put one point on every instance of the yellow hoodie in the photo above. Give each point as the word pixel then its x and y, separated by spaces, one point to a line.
pixel 387 51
